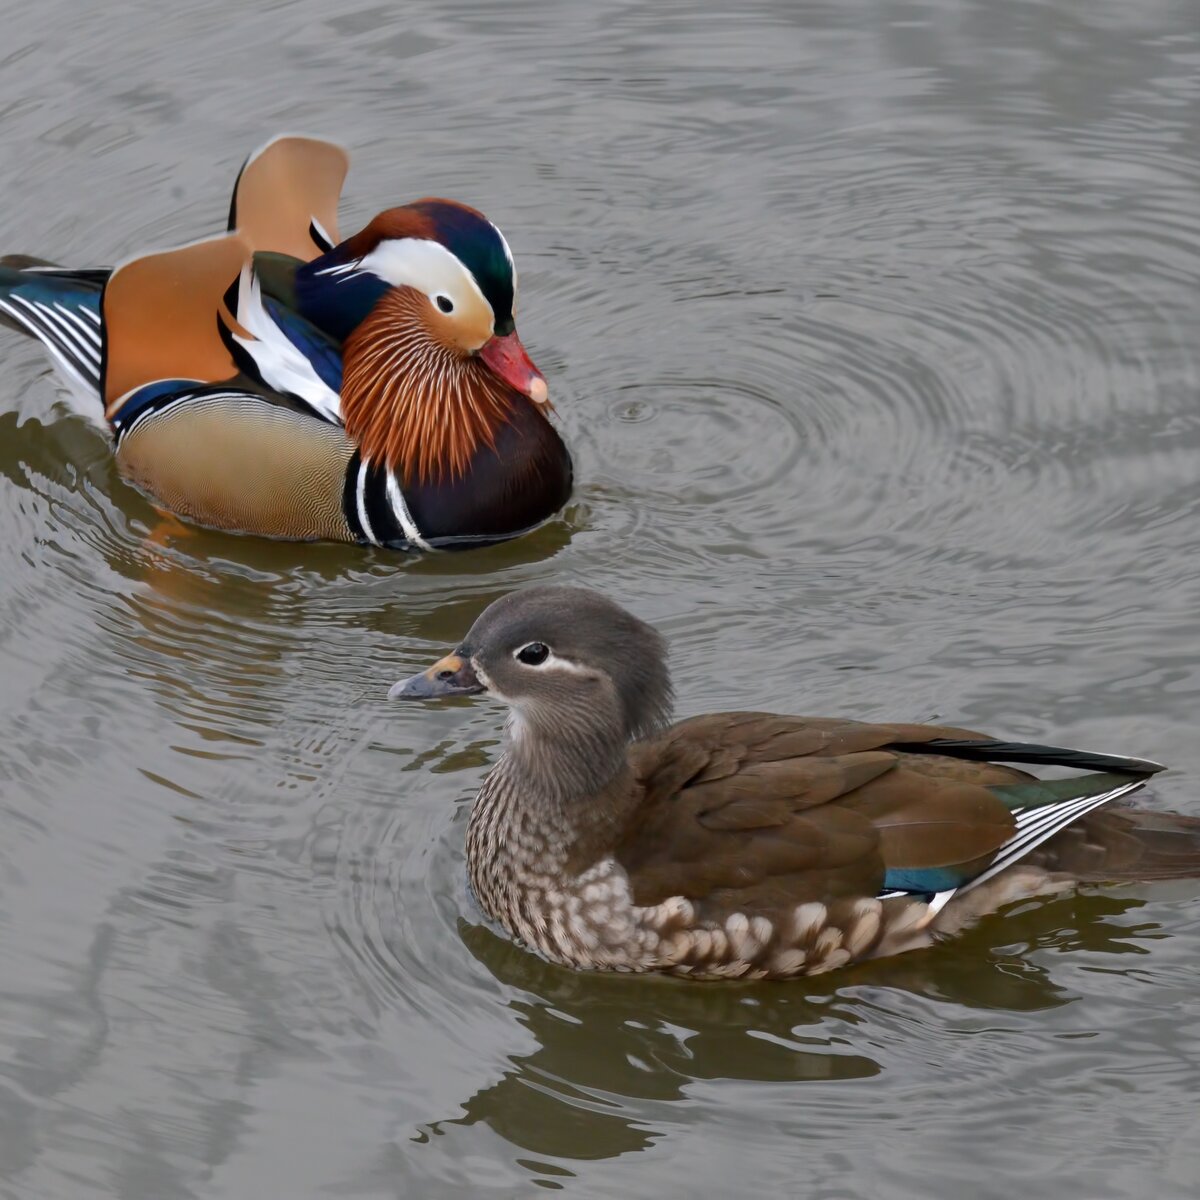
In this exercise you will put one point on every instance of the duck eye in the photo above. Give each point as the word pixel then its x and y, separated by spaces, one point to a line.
pixel 445 303
pixel 534 654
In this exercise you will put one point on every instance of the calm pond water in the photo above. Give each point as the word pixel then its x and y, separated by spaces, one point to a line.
pixel 875 330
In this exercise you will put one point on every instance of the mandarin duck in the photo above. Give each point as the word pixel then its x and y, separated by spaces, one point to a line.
pixel 279 380
pixel 746 844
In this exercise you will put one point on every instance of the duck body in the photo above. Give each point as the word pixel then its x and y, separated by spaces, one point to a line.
pixel 277 381
pixel 754 845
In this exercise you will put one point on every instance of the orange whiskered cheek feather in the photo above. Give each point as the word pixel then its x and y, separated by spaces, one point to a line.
pixel 413 399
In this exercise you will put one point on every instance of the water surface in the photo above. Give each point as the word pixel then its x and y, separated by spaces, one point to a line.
pixel 875 331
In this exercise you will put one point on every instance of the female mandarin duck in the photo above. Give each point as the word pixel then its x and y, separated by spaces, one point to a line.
pixel 746 844
pixel 280 381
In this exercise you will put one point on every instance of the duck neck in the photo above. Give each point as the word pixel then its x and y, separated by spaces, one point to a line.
pixel 564 758
pixel 413 402
pixel 551 807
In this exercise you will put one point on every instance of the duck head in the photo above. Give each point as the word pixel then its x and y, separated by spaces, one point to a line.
pixel 423 300
pixel 581 676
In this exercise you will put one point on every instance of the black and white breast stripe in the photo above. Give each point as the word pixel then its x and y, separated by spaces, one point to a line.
pixel 1034 826
pixel 72 335
pixel 375 508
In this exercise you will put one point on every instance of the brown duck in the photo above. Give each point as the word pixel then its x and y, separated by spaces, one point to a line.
pixel 751 845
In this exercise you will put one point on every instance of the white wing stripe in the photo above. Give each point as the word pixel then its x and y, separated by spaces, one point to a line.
pixel 47 322
pixel 81 347
pixel 72 369
pixel 1034 826
pixel 89 333
pixel 1042 824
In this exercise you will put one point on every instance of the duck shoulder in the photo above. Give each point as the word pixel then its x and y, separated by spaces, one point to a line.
pixel 160 313
pixel 754 812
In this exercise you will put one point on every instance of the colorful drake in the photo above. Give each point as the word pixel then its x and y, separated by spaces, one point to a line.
pixel 281 381
pixel 747 844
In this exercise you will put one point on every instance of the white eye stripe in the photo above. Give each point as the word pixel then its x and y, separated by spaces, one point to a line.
pixel 423 264
pixel 552 661
pixel 565 664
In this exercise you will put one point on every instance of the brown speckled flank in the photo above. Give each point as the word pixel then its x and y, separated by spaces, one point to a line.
pixel 521 877
pixel 750 845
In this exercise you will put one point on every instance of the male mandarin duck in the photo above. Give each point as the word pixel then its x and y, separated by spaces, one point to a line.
pixel 281 381
pixel 750 845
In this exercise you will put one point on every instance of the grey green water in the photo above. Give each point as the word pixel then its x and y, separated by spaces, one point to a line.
pixel 875 331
